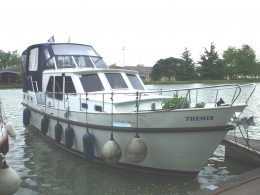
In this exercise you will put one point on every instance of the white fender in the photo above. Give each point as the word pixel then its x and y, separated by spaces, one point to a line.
pixel 10 129
pixel 9 181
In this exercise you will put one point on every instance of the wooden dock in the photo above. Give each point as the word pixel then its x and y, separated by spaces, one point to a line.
pixel 245 150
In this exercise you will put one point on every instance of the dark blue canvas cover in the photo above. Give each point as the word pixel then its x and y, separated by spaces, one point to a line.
pixel 35 75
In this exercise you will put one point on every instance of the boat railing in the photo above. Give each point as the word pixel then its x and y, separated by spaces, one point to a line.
pixel 207 94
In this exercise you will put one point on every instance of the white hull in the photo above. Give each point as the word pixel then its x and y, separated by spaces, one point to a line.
pixel 171 147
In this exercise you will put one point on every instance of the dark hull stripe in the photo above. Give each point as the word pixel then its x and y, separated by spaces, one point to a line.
pixel 133 129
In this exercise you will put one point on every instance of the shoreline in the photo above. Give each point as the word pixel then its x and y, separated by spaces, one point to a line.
pixel 203 81
pixel 20 85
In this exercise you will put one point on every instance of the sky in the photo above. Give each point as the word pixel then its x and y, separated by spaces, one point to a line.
pixel 148 30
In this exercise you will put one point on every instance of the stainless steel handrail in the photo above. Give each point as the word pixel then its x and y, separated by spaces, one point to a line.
pixel 81 96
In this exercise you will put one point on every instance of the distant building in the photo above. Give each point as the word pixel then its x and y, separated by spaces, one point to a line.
pixel 10 75
pixel 143 72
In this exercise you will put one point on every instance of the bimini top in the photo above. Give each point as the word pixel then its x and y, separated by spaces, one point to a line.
pixel 53 56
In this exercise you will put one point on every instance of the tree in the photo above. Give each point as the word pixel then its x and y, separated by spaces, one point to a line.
pixel 240 61
pixel 156 73
pixel 167 67
pixel 229 61
pixel 8 59
pixel 171 67
pixel 140 65
pixel 211 65
pixel 246 61
pixel 19 78
pixel 187 71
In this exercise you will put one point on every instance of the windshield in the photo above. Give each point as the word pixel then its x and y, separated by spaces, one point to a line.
pixel 71 56
pixel 99 62
pixel 65 62
pixel 68 49
pixel 84 61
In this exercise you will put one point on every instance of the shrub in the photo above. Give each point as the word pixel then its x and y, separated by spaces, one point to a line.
pixel 200 105
pixel 176 102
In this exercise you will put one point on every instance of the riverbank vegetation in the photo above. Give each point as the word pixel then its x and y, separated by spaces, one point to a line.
pixel 236 63
pixel 171 82
pixel 10 85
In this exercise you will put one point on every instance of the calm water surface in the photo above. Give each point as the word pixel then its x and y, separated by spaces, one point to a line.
pixel 46 169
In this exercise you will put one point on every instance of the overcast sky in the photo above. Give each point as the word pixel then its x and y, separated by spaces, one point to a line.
pixel 149 30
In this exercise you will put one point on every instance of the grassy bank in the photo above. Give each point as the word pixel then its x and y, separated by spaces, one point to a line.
pixel 205 81
pixel 10 85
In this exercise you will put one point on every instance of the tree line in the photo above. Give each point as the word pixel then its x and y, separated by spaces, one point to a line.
pixel 9 59
pixel 235 63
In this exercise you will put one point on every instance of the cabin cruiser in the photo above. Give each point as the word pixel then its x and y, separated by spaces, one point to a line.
pixel 108 115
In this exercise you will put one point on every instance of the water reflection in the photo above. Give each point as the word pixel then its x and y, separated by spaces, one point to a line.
pixel 46 169
pixel 53 171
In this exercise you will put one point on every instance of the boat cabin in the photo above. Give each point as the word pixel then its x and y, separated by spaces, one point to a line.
pixel 56 69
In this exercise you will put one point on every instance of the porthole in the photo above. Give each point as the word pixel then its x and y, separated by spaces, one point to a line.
pixel 83 105
pixel 98 108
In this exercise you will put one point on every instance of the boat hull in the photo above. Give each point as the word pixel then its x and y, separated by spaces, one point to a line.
pixel 172 149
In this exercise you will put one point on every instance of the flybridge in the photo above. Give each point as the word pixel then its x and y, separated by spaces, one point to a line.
pixel 53 56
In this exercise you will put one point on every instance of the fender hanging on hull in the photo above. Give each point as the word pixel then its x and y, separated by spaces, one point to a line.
pixel 44 125
pixel 26 116
pixel 88 146
pixel 69 136
pixel 58 132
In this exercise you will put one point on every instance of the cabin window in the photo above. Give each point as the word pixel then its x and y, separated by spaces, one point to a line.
pixel 47 54
pixel 116 80
pixel 99 62
pixel 59 87
pixel 24 57
pixel 83 61
pixel 69 86
pixel 135 81
pixel 50 64
pixel 33 60
pixel 65 62
pixel 91 82
pixel 50 87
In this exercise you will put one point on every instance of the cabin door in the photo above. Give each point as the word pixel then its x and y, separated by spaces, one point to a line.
pixel 59 89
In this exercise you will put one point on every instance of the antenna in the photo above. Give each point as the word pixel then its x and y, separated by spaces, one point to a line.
pixel 123 49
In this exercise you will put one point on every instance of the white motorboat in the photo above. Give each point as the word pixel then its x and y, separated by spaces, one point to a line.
pixel 108 115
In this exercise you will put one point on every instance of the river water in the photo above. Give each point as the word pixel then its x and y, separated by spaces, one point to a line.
pixel 48 170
